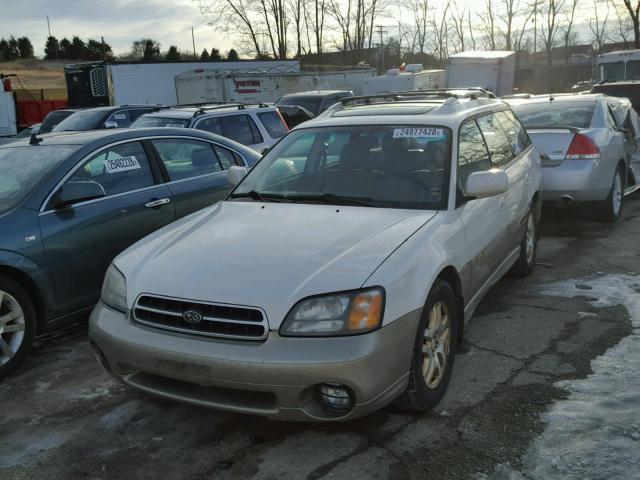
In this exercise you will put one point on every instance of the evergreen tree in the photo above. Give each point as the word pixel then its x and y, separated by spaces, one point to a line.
pixel 52 49
pixel 232 56
pixel 25 48
pixel 65 49
pixel 14 51
pixel 173 55
pixel 215 55
pixel 4 50
pixel 78 50
pixel 98 51
pixel 204 55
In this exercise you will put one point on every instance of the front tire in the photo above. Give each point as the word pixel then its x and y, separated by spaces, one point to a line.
pixel 611 208
pixel 434 350
pixel 17 325
pixel 528 248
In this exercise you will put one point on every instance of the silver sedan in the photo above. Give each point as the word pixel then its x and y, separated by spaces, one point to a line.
pixel 584 152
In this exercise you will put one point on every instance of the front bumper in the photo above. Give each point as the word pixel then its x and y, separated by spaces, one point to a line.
pixel 276 378
pixel 580 180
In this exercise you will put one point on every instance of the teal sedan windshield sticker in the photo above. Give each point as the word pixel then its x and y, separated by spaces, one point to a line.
pixel 418 132
pixel 121 164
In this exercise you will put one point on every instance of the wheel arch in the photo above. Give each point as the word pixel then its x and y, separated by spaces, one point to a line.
pixel 30 286
pixel 450 275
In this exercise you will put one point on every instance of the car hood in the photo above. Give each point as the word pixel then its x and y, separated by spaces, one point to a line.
pixel 266 255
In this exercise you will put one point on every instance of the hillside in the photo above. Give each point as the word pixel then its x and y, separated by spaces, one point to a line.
pixel 36 74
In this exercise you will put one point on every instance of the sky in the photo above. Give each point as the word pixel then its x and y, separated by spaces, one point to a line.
pixel 123 21
pixel 119 21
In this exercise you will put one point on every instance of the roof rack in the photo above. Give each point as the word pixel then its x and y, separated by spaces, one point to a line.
pixel 470 93
pixel 238 105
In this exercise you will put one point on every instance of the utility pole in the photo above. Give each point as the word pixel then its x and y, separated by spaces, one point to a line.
pixel 104 55
pixel 382 32
pixel 48 25
pixel 193 39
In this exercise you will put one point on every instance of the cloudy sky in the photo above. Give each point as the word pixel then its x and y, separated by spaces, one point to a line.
pixel 119 21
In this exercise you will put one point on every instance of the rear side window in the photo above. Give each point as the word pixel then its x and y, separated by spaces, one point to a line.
pixel 135 113
pixel 187 158
pixel 273 123
pixel 473 155
pixel 555 114
pixel 515 132
pixel 211 125
pixel 226 157
pixel 240 128
pixel 119 169
pixel 496 140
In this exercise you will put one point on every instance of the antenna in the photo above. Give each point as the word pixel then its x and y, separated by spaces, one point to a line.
pixel 34 140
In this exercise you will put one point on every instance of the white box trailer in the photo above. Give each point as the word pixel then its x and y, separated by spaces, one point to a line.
pixel 204 85
pixel 91 84
pixel 8 121
pixel 411 79
pixel 491 70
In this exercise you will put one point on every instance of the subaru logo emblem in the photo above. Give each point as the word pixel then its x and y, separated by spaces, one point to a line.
pixel 192 317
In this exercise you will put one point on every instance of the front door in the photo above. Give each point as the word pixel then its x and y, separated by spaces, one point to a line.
pixel 81 240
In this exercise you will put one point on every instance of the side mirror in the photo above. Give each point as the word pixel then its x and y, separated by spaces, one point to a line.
pixel 265 151
pixel 485 184
pixel 236 174
pixel 76 192
pixel 111 125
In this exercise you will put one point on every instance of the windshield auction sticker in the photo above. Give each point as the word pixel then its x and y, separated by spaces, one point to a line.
pixel 121 164
pixel 417 132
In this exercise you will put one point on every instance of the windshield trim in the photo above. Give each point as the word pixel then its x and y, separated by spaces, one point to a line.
pixel 446 182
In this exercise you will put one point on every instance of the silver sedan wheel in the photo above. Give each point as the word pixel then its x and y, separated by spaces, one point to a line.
pixel 616 194
pixel 12 326
pixel 530 240
pixel 436 344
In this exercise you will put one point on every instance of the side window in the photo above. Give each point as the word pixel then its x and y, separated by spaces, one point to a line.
pixel 226 157
pixel 273 124
pixel 496 140
pixel 241 129
pixel 515 132
pixel 211 125
pixel 119 169
pixel 187 158
pixel 121 118
pixel 473 155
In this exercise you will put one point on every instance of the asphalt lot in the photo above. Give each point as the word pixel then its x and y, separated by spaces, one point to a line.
pixel 63 417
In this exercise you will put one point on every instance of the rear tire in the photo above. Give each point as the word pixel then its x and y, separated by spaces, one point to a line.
pixel 528 248
pixel 434 350
pixel 17 325
pixel 611 209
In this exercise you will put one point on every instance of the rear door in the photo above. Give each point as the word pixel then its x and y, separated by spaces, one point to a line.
pixel 239 127
pixel 483 222
pixel 196 171
pixel 82 239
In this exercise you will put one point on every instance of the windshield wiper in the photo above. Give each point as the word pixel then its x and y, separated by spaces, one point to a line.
pixel 334 199
pixel 262 197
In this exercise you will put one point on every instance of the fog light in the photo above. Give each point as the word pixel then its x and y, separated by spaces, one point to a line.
pixel 336 398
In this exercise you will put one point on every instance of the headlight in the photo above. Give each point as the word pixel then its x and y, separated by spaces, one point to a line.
pixel 348 313
pixel 114 289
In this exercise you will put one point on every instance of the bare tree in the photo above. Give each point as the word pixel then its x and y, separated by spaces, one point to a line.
pixel 420 10
pixel 510 9
pixel 568 35
pixel 470 25
pixel 440 29
pixel 598 23
pixel 458 17
pixel 519 34
pixel 624 30
pixel 237 16
pixel 549 26
pixel 488 24
pixel 297 12
pixel 633 7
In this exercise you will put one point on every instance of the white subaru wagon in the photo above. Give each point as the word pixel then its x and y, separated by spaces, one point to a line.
pixel 337 277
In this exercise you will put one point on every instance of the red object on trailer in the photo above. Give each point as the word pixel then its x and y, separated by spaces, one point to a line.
pixel 34 111
pixel 6 85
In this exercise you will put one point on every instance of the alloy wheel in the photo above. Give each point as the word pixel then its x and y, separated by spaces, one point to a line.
pixel 12 326
pixel 616 194
pixel 436 344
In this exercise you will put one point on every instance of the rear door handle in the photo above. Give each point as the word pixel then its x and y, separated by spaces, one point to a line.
pixel 157 203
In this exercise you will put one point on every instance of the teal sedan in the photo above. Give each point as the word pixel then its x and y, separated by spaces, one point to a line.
pixel 70 202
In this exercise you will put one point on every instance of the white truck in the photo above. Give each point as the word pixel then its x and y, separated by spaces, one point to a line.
pixel 413 77
pixel 617 66
pixel 8 121
pixel 205 85
pixel 491 70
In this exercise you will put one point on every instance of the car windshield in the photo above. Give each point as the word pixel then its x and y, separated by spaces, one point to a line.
pixel 395 166
pixel 82 121
pixel 310 103
pixel 22 168
pixel 148 122
pixel 554 114
pixel 52 119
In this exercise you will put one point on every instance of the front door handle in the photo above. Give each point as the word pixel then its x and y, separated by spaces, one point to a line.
pixel 157 202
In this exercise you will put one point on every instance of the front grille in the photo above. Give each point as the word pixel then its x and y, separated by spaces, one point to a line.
pixel 225 321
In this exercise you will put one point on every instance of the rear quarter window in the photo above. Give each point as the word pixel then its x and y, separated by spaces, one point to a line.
pixel 273 124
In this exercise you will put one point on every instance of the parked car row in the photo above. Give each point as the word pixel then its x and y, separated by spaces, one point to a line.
pixel 328 278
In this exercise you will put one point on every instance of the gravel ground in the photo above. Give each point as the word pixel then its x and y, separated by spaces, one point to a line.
pixel 525 365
